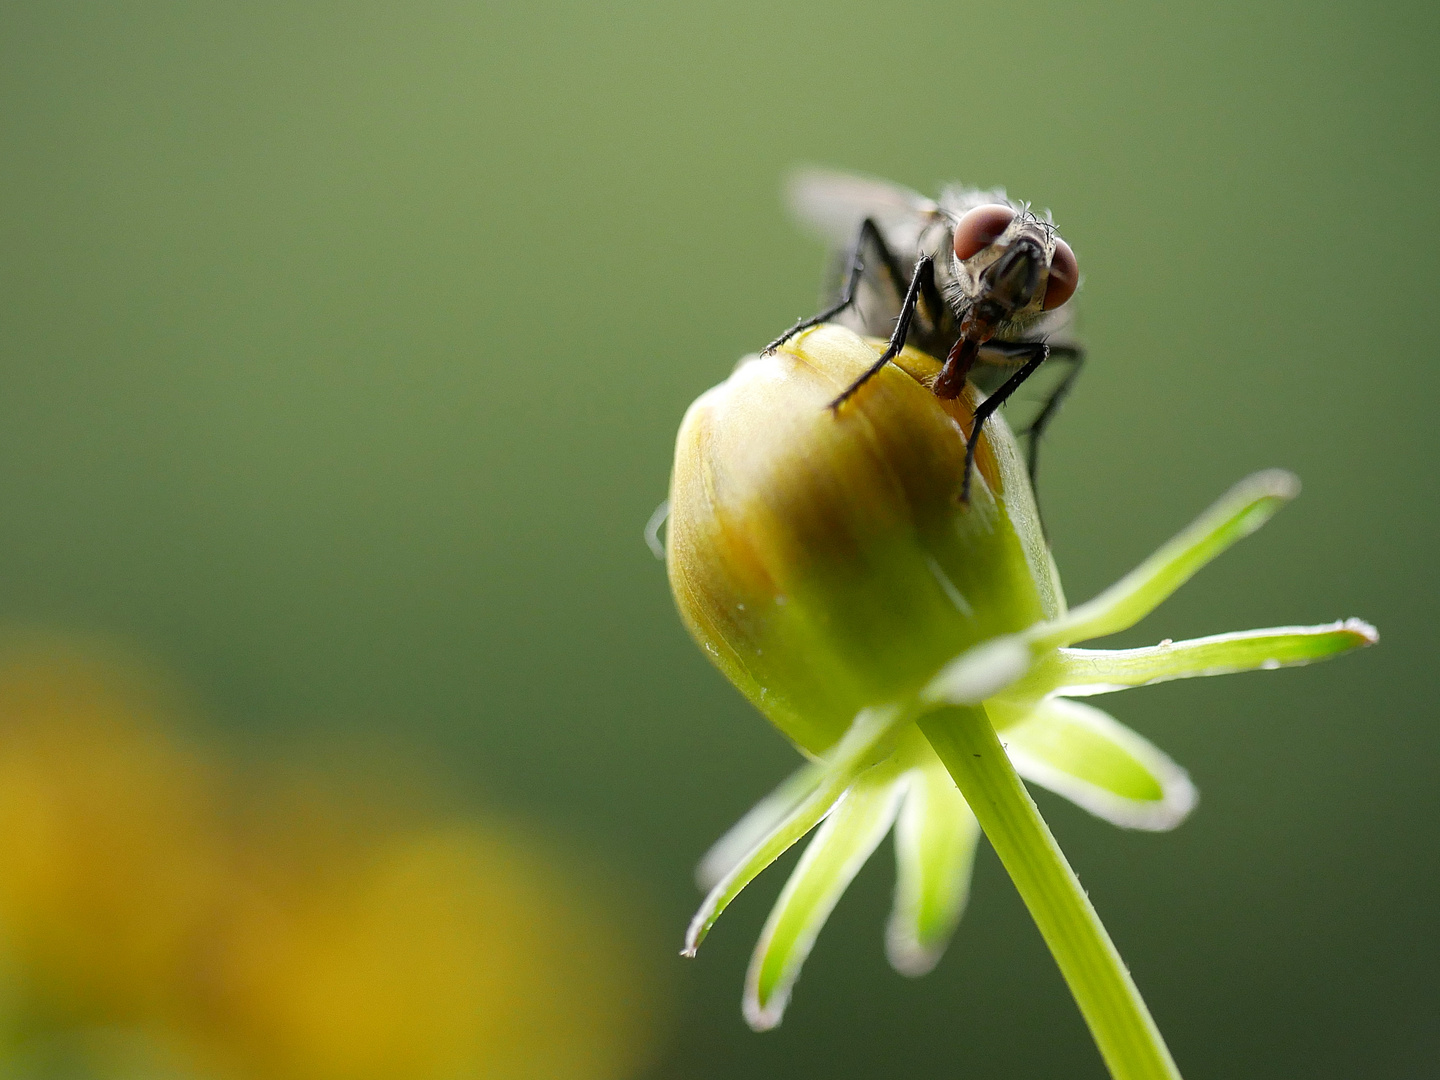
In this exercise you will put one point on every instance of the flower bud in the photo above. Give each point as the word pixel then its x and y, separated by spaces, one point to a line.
pixel 823 558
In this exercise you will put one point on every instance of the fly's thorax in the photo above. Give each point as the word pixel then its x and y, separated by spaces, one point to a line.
pixel 824 562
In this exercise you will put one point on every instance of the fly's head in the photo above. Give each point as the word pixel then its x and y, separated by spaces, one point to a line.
pixel 1009 266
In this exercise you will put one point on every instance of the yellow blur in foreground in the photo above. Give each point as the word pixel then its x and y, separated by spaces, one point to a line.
pixel 158 916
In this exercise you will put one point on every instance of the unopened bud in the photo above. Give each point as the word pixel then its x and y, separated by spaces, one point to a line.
pixel 823 558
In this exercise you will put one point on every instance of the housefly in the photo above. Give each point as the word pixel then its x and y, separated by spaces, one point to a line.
pixel 972 276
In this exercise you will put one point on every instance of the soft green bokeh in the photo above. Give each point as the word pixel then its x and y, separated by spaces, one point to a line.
pixel 330 343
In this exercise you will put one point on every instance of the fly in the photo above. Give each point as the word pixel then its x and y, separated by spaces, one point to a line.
pixel 972 276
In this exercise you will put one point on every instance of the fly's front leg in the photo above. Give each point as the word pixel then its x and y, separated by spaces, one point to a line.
pixel 869 233
pixel 984 410
pixel 924 275
pixel 1076 357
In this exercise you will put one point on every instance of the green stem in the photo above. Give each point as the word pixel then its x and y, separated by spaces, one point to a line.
pixel 1124 1031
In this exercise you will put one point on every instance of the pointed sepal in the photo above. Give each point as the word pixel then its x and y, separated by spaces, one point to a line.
pixel 1082 672
pixel 868 742
pixel 1234 516
pixel 936 835
pixel 831 861
pixel 1086 755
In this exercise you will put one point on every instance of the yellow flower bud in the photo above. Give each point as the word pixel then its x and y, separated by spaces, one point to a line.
pixel 823 559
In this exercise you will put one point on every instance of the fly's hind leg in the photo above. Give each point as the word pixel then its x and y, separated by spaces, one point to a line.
pixel 869 235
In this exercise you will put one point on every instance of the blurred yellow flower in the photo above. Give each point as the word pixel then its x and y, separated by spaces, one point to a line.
pixel 320 938
pixel 110 859
pixel 444 950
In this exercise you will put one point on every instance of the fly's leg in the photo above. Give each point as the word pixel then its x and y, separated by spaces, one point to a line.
pixel 924 273
pixel 1041 352
pixel 1076 357
pixel 869 233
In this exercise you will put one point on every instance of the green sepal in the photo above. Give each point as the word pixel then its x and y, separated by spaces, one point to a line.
pixel 980 673
pixel 1235 515
pixel 1089 757
pixel 1082 672
pixel 868 741
pixel 759 821
pixel 936 835
pixel 831 861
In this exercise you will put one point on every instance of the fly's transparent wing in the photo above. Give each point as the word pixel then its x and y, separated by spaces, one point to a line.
pixel 833 204
pixel 956 199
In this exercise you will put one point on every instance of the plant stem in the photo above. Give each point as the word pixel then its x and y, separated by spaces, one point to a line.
pixel 1124 1031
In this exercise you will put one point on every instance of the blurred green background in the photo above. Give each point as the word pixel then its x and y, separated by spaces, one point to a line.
pixel 342 348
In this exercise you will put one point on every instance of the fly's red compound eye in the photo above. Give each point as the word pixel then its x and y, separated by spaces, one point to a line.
pixel 1064 276
pixel 980 228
